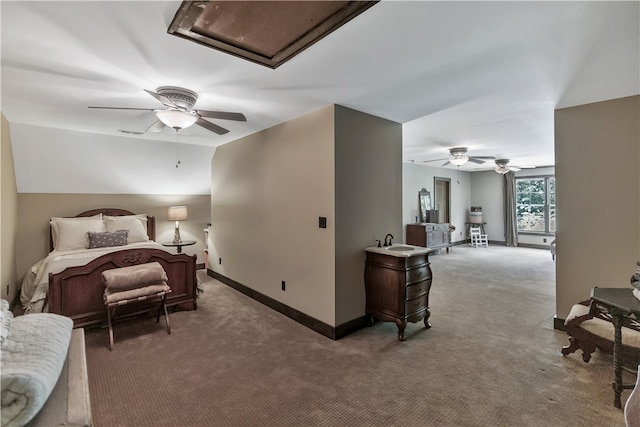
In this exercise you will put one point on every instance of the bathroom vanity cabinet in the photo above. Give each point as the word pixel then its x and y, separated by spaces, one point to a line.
pixel 397 281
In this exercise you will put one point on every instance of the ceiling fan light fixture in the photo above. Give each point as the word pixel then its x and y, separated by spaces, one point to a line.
pixel 177 119
pixel 459 160
pixel 502 169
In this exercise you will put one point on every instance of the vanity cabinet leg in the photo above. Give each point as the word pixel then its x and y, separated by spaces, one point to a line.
pixel 401 326
pixel 426 319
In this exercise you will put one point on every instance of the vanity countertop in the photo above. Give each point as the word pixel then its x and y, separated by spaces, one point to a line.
pixel 399 250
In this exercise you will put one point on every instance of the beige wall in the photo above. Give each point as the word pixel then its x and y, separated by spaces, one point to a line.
pixel 36 209
pixel 368 195
pixel 598 197
pixel 267 192
pixel 269 189
pixel 8 214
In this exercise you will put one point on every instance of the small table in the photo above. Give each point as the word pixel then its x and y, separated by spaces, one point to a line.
pixel 620 302
pixel 180 245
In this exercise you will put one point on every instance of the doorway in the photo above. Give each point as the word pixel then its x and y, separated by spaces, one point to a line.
pixel 442 198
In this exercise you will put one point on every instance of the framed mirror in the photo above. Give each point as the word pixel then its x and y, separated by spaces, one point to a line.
pixel 424 198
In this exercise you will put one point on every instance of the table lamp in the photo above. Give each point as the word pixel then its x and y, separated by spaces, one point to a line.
pixel 177 214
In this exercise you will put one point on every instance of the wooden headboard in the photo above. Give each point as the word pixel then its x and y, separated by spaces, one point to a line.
pixel 151 221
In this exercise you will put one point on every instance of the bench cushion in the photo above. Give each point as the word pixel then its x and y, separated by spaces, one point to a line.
pixel 603 328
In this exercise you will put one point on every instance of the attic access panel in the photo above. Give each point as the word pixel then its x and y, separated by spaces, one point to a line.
pixel 266 32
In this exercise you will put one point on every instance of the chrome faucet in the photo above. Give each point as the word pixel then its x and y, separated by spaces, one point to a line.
pixel 390 236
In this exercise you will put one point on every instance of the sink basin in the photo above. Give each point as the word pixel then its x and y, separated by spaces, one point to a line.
pixel 400 248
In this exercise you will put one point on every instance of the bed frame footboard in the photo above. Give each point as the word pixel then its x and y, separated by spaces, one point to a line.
pixel 77 292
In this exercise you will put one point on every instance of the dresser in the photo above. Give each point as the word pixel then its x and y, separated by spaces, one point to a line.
pixel 429 235
pixel 397 281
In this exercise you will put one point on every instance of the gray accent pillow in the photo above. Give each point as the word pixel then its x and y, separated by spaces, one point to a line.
pixel 107 239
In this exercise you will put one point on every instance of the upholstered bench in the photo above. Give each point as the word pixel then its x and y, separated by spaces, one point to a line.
pixel 44 371
pixel 128 285
pixel 589 327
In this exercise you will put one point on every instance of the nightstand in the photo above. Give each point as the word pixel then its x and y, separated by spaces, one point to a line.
pixel 180 245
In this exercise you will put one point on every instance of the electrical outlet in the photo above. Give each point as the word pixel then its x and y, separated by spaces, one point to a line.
pixel 322 222
pixel 461 233
pixel 8 287
pixel 544 240
pixel 283 286
pixel 220 261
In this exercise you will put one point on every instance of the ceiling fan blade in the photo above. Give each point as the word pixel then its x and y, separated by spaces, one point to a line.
pixel 484 157
pixel 476 160
pixel 513 168
pixel 446 163
pixel 435 160
pixel 210 126
pixel 226 115
pixel 156 127
pixel 125 108
pixel 165 101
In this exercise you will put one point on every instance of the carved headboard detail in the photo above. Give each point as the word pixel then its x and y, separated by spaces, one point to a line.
pixel 151 221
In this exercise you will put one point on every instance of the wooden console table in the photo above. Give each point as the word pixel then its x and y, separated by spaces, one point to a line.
pixel 429 235
pixel 620 303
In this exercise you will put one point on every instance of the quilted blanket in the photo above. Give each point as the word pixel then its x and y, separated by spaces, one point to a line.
pixel 32 358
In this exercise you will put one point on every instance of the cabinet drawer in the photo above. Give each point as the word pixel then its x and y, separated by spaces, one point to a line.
pixel 417 274
pixel 415 305
pixel 416 290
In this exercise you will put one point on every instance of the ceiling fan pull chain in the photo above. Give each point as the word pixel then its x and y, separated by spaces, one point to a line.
pixel 177 150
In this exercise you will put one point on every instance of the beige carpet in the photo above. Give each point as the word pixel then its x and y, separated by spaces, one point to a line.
pixel 492 358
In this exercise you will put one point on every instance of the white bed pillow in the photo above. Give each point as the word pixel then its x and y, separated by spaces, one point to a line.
pixel 55 220
pixel 74 234
pixel 136 224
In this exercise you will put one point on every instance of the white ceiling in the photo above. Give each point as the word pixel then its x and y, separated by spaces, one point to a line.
pixel 485 75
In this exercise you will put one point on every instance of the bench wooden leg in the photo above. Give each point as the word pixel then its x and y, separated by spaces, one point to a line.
pixel 163 306
pixel 109 315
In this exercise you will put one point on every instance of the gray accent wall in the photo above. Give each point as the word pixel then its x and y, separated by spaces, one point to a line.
pixel 368 194
pixel 487 191
pixel 598 198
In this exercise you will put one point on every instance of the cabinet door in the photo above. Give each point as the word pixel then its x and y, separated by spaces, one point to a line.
pixel 430 238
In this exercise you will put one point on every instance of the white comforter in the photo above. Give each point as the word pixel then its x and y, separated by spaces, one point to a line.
pixel 36 282
pixel 32 359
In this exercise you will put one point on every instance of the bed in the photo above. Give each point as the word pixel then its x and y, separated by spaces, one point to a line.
pixel 68 281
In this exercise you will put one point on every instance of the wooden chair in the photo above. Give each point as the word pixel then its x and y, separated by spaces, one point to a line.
pixel 478 238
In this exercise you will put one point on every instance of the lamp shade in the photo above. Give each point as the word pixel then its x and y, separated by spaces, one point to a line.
pixel 176 119
pixel 177 213
pixel 459 160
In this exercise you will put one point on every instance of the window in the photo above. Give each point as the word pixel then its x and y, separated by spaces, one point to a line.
pixel 536 204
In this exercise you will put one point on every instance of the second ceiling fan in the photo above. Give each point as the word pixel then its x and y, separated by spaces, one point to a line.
pixel 502 166
pixel 180 113
pixel 459 157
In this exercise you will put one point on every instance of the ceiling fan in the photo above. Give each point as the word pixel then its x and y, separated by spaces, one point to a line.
pixel 459 157
pixel 180 113
pixel 502 167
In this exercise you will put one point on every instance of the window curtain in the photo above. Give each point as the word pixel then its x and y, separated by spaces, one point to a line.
pixel 510 219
